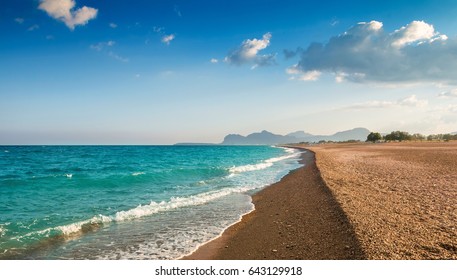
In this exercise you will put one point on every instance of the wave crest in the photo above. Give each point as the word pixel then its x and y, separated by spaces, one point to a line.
pixel 292 153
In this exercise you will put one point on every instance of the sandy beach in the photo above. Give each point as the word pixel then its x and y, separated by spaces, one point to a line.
pixel 353 201
pixel 401 198
pixel 296 218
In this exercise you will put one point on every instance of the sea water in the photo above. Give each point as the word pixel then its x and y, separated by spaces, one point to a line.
pixel 127 202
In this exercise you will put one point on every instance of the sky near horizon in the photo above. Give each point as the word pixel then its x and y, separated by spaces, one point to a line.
pixel 161 72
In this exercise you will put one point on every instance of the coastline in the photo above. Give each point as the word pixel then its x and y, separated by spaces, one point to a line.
pixel 295 218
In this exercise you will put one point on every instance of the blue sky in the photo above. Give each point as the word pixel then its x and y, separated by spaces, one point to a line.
pixel 160 72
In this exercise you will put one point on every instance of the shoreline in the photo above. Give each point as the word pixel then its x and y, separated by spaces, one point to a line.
pixel 295 218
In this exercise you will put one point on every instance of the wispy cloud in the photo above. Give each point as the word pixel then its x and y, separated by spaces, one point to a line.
pixel 297 74
pixel 100 46
pixel 449 93
pixel 367 53
pixel 214 60
pixel 107 48
pixel 63 10
pixel 334 22
pixel 410 101
pixel 19 20
pixel 118 57
pixel 177 11
pixel 112 25
pixel 248 53
pixel 158 29
pixel 33 27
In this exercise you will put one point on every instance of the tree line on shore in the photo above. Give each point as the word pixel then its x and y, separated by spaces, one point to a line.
pixel 405 136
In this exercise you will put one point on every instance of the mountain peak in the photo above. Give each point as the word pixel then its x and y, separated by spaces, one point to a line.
pixel 267 138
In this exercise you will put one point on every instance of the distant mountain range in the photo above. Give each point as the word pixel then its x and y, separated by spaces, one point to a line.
pixel 268 138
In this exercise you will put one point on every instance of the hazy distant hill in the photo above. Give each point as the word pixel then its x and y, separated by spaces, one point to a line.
pixel 300 134
pixel 268 138
pixel 258 138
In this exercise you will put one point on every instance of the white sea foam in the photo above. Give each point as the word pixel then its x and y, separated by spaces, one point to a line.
pixel 250 167
pixel 292 153
pixel 2 230
pixel 139 212
pixel 138 173
pixel 174 203
pixel 69 175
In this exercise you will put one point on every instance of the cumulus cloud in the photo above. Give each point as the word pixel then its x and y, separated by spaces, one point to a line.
pixel 166 39
pixel 64 11
pixel 247 53
pixel 410 101
pixel 214 60
pixel 416 31
pixel 367 53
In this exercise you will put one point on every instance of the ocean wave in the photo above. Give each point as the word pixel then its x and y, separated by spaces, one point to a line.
pixel 138 173
pixel 135 213
pixel 250 167
pixel 292 153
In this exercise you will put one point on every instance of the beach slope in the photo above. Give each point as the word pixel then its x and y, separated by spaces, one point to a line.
pixel 296 218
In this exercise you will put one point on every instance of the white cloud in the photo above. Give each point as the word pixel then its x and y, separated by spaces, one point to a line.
pixel 415 32
pixel 112 25
pixel 297 74
pixel 19 20
pixel 410 101
pixel 449 93
pixel 63 10
pixel 166 39
pixel 214 60
pixel 366 53
pixel 248 52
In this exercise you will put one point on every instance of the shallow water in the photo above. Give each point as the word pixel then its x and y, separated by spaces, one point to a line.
pixel 127 202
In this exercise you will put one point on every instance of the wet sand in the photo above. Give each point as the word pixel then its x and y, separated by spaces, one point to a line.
pixel 296 218
pixel 354 201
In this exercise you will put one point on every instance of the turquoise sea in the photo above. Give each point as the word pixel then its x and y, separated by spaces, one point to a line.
pixel 127 202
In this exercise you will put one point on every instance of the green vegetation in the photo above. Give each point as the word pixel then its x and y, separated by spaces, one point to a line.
pixel 398 136
pixel 374 137
pixel 405 136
